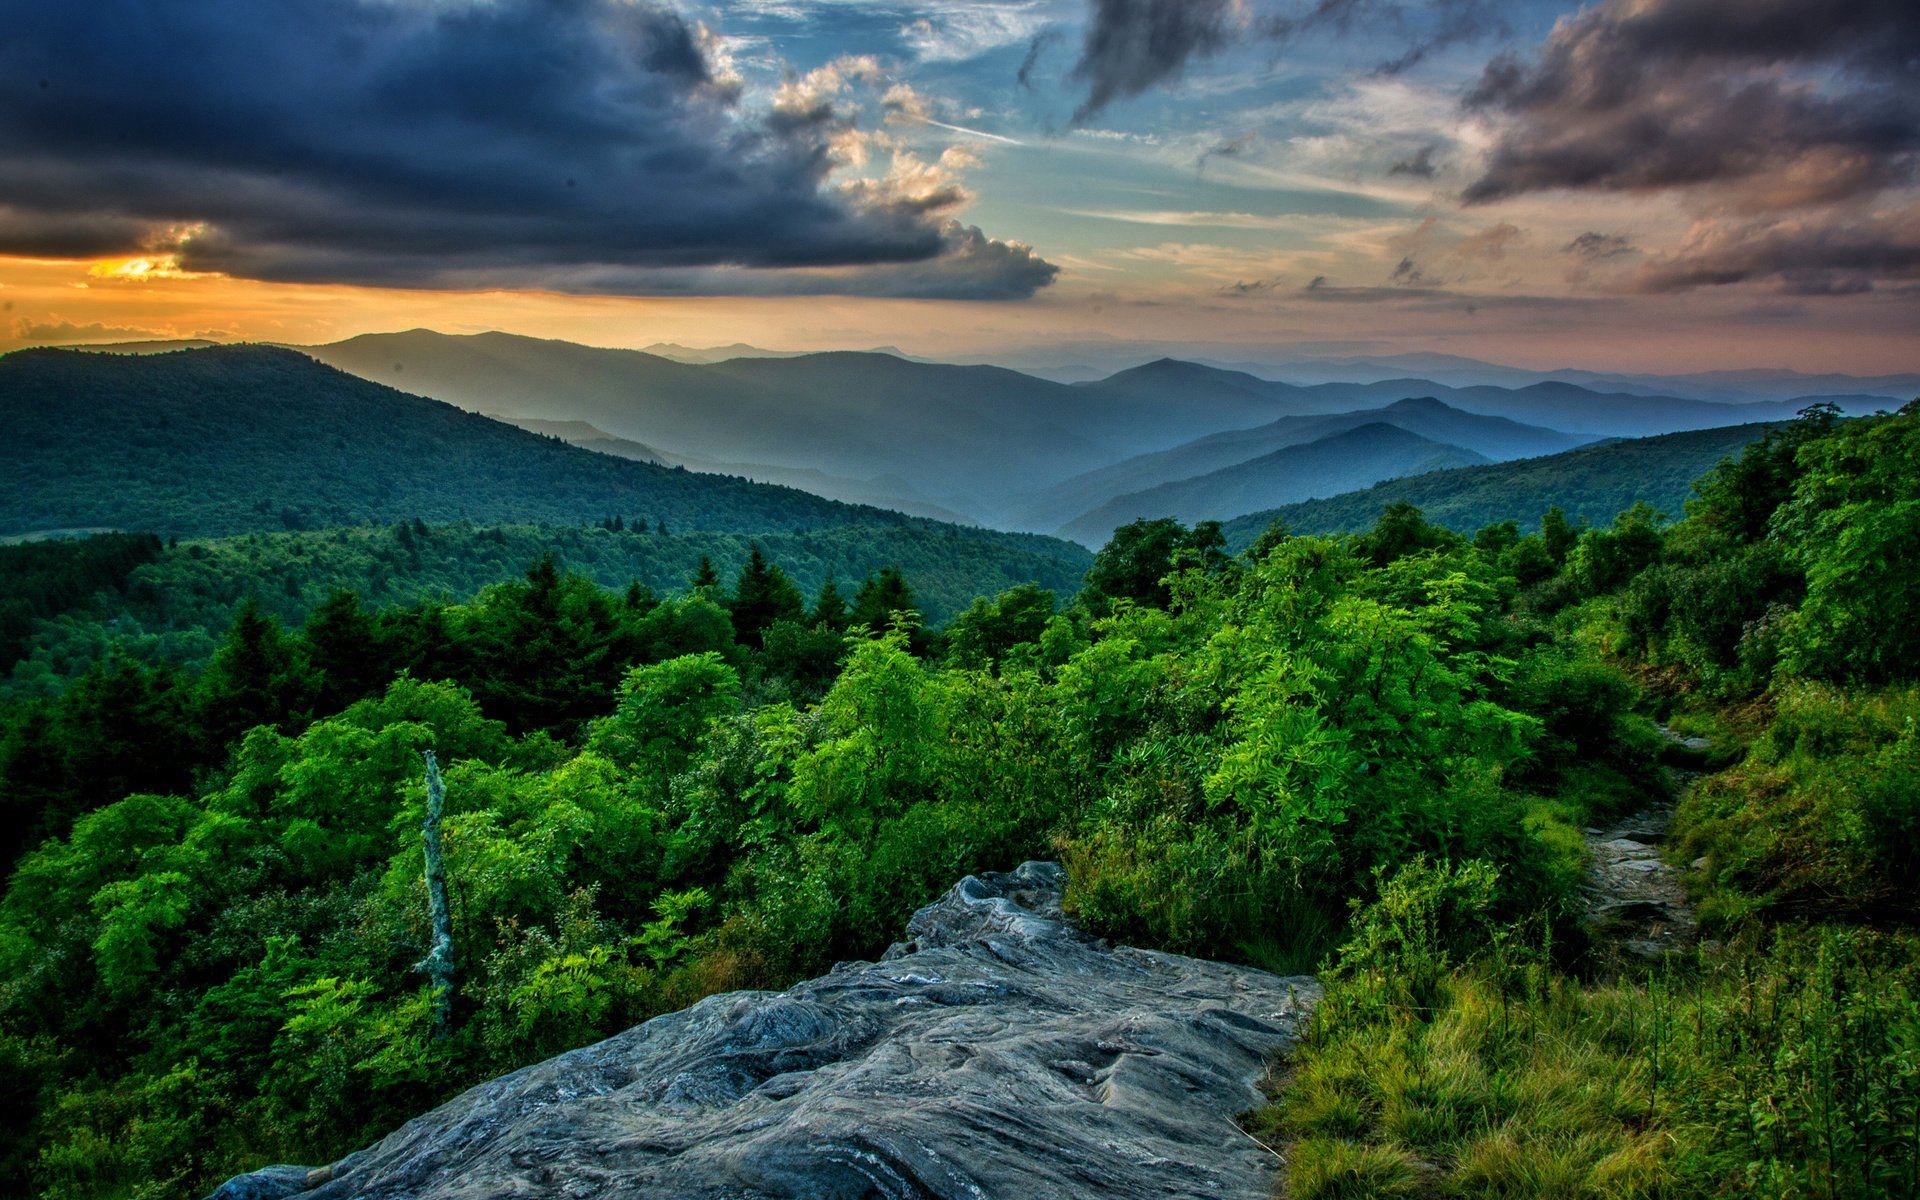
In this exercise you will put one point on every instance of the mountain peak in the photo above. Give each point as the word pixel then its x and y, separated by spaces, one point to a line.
pixel 1420 404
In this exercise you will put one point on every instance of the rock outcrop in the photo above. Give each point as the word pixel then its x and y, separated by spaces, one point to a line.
pixel 997 1053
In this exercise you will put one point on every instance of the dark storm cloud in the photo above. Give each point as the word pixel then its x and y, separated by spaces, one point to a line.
pixel 1132 45
pixel 372 142
pixel 970 266
pixel 1781 102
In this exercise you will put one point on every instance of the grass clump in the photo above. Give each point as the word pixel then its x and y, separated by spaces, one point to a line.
pixel 1787 1065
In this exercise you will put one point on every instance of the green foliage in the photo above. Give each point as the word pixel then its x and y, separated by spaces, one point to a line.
pixel 1134 564
pixel 662 712
pixel 1401 530
pixel 762 595
pixel 177 607
pixel 209 944
pixel 990 630
pixel 45 578
pixel 1854 522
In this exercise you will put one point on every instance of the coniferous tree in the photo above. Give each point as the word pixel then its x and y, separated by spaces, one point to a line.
pixel 345 647
pixel 256 678
pixel 830 607
pixel 882 594
pixel 704 575
pixel 762 595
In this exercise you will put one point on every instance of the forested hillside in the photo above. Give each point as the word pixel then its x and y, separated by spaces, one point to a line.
pixel 71 605
pixel 218 441
pixel 1495 438
pixel 1337 463
pixel 1372 754
pixel 1591 483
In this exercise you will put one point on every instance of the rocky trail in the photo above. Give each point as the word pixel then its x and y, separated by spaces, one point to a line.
pixel 1636 904
pixel 998 1052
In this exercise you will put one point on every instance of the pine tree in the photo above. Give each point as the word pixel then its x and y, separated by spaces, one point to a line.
pixel 762 595
pixel 345 646
pixel 830 607
pixel 256 678
pixel 882 594
pixel 704 576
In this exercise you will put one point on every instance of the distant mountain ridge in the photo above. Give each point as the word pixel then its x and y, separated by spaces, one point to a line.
pixel 1487 438
pixel 241 438
pixel 969 438
pixel 1593 482
pixel 1328 466
pixel 975 441
pixel 891 493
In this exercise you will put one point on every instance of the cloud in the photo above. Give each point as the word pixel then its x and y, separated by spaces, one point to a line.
pixel 1232 147
pixel 970 266
pixel 1419 166
pixel 498 144
pixel 1133 45
pixel 1035 48
pixel 60 332
pixel 1438 299
pixel 1417 29
pixel 1432 255
pixel 1802 256
pixel 1594 246
pixel 1779 103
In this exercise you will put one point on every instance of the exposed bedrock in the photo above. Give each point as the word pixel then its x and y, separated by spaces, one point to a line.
pixel 998 1052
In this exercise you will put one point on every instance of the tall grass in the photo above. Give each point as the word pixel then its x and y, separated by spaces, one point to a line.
pixel 1786 1065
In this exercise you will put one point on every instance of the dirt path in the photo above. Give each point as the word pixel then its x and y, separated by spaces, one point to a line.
pixel 1636 906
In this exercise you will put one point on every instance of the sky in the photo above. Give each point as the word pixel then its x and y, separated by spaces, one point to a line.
pixel 1655 185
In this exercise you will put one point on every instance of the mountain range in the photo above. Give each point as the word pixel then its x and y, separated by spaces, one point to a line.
pixel 1475 438
pixel 233 439
pixel 1329 466
pixel 980 443
pixel 1592 483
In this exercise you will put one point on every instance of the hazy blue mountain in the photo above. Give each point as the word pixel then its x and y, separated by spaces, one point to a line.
pixel 1723 387
pixel 242 438
pixel 888 491
pixel 973 441
pixel 1555 405
pixel 1593 482
pixel 967 437
pixel 1493 438
pixel 1338 463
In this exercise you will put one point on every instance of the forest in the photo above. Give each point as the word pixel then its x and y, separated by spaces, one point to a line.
pixel 65 607
pixel 1370 756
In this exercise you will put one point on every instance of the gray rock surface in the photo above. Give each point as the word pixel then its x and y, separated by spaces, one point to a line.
pixel 1636 903
pixel 997 1053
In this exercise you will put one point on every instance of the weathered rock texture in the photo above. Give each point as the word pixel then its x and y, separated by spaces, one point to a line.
pixel 1636 904
pixel 998 1053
